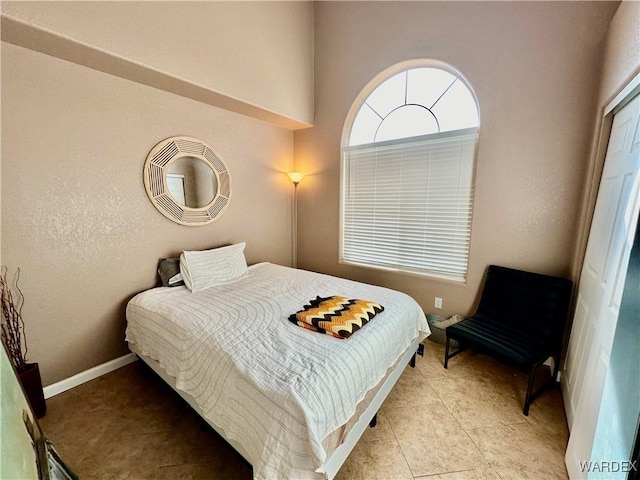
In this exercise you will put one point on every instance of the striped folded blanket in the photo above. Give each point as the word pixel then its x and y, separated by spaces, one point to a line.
pixel 337 316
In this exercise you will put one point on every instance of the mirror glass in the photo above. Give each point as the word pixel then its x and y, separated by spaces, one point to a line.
pixel 191 182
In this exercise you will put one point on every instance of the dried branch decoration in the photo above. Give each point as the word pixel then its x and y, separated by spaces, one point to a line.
pixel 13 334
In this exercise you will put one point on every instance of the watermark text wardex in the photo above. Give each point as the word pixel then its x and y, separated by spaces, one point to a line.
pixel 608 466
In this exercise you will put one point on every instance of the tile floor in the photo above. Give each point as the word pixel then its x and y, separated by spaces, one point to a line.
pixel 464 423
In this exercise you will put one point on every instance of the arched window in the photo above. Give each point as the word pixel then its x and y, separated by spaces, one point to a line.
pixel 409 146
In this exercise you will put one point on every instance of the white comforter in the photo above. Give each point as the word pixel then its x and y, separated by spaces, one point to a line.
pixel 273 387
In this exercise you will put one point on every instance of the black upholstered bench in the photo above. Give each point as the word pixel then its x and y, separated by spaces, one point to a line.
pixel 520 321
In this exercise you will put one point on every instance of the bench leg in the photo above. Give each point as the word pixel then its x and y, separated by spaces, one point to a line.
pixel 527 398
pixel 531 394
pixel 448 355
pixel 446 352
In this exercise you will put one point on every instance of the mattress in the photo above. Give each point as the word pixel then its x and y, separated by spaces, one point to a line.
pixel 275 388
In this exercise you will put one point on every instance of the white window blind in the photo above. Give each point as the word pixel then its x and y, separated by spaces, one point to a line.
pixel 407 204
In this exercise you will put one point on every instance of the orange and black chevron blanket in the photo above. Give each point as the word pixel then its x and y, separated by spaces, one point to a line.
pixel 337 316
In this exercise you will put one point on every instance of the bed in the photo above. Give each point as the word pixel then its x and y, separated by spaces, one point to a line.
pixel 291 401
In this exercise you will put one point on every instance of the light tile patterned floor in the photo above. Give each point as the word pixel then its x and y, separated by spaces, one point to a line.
pixel 464 423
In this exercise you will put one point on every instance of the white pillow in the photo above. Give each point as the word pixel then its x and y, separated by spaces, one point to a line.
pixel 208 268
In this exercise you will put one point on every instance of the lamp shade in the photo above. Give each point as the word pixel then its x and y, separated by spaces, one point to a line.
pixel 295 177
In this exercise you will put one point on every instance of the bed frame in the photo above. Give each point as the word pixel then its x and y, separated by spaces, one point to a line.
pixel 339 455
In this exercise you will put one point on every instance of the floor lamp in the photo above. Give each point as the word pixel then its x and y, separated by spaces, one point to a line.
pixel 295 177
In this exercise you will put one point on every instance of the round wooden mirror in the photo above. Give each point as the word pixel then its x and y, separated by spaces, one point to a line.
pixel 187 181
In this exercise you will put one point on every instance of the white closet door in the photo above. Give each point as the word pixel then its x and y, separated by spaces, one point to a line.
pixel 601 285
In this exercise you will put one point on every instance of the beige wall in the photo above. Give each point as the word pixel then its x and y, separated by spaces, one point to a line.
pixel 622 57
pixel 75 215
pixel 256 53
pixel 535 69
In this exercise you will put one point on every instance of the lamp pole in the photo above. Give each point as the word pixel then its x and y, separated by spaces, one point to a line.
pixel 295 177
pixel 294 252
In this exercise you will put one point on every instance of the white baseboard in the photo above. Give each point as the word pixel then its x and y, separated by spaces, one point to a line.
pixel 550 362
pixel 87 375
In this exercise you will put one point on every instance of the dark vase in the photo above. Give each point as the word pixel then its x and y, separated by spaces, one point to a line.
pixel 32 385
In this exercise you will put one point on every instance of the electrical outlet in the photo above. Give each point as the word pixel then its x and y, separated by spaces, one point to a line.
pixel 438 302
